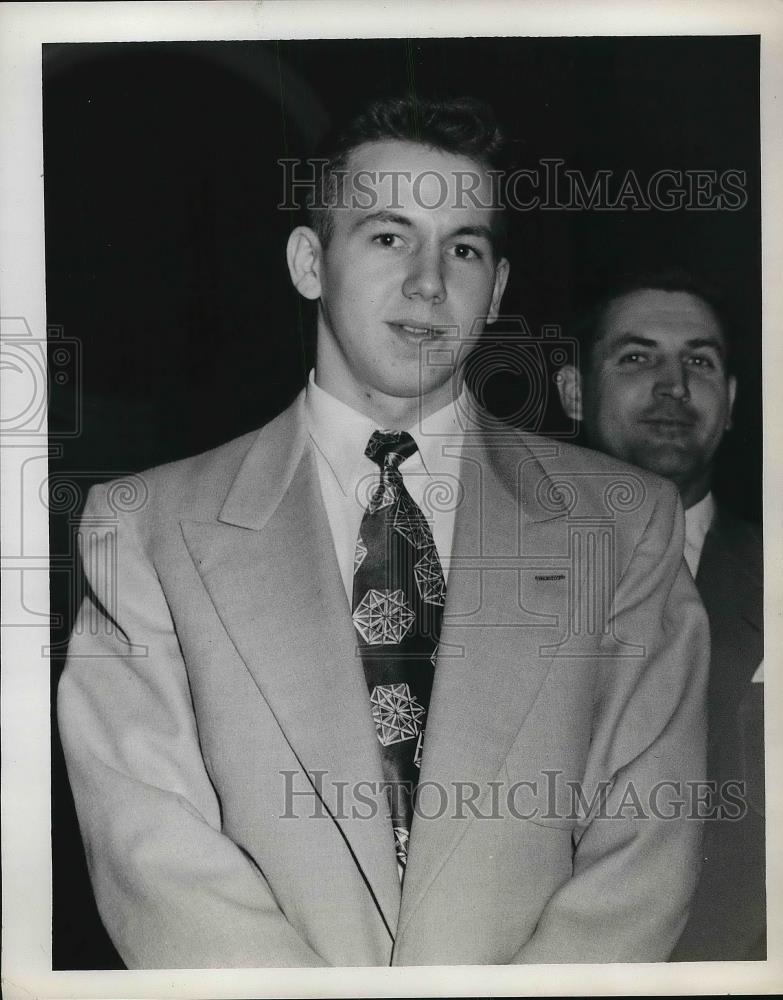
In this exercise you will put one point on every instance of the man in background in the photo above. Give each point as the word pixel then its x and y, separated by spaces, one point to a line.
pixel 655 388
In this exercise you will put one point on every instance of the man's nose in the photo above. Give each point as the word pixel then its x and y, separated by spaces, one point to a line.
pixel 672 380
pixel 425 277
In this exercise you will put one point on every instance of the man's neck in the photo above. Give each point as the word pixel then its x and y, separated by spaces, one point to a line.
pixel 691 493
pixel 395 412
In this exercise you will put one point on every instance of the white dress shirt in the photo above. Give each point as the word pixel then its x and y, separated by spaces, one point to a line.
pixel 698 519
pixel 347 477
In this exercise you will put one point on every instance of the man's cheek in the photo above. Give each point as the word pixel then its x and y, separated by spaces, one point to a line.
pixel 625 404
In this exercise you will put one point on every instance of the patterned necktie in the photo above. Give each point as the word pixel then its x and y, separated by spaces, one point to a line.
pixel 398 598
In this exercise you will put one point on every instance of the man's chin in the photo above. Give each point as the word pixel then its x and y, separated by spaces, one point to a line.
pixel 670 461
pixel 419 387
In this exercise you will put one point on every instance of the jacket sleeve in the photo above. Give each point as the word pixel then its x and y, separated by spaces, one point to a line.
pixel 172 889
pixel 635 860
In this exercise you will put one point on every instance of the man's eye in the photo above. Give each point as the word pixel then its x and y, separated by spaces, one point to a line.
pixel 466 252
pixel 633 358
pixel 388 240
pixel 699 361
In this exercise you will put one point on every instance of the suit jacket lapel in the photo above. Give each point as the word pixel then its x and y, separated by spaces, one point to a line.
pixel 728 553
pixel 729 580
pixel 489 669
pixel 272 574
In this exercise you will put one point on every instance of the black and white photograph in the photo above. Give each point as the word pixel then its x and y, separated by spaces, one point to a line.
pixel 388 470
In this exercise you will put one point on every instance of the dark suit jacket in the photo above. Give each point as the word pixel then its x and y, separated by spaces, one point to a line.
pixel 727 920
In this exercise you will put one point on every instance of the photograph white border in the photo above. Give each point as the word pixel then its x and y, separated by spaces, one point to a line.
pixel 26 848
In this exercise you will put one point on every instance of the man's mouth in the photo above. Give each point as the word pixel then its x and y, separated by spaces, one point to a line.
pixel 666 421
pixel 416 329
pixel 668 426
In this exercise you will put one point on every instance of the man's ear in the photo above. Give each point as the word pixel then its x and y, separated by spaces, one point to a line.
pixel 569 385
pixel 303 254
pixel 732 385
pixel 501 277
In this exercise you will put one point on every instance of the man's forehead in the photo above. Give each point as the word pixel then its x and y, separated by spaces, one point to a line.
pixel 670 318
pixel 411 175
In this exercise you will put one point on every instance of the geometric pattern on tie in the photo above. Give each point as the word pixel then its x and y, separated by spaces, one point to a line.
pixel 396 713
pixel 359 553
pixel 418 750
pixel 383 617
pixel 401 837
pixel 397 605
pixel 429 578
pixel 410 523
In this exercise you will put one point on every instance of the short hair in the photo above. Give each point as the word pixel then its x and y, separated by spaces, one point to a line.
pixel 588 326
pixel 464 126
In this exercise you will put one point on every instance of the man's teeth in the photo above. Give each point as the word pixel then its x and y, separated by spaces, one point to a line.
pixel 416 329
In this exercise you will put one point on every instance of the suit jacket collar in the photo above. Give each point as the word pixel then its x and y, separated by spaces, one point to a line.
pixel 489 670
pixel 267 469
pixel 271 572
pixel 272 460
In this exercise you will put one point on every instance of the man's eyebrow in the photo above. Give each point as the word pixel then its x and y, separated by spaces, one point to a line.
pixel 714 342
pixel 395 219
pixel 636 340
pixel 631 339
pixel 484 232
pixel 382 215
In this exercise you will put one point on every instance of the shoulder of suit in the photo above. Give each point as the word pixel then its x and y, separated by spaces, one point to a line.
pixel 193 487
pixel 598 477
pixel 560 455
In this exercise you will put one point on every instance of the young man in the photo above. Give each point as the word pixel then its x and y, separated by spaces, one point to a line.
pixel 656 390
pixel 385 589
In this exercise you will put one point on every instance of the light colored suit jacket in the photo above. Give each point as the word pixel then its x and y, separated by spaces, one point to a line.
pixel 219 740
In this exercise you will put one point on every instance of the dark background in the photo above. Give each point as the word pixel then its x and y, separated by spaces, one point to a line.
pixel 174 326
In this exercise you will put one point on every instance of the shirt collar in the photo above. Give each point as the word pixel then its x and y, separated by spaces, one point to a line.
pixel 341 434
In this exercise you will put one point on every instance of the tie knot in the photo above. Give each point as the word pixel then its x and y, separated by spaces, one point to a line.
pixel 389 448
